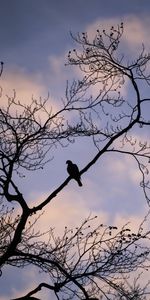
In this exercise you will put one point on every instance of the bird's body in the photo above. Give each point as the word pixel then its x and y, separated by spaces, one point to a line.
pixel 74 171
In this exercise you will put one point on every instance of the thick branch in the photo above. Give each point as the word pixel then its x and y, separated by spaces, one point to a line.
pixel 16 239
pixel 37 289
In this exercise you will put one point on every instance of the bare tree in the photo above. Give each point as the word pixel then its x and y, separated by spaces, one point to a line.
pixel 89 262
pixel 98 266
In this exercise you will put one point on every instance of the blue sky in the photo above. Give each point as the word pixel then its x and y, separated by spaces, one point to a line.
pixel 35 39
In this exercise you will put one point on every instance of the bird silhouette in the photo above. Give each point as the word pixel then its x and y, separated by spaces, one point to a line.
pixel 73 171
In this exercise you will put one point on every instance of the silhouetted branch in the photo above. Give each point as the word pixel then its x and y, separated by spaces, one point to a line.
pixel 87 261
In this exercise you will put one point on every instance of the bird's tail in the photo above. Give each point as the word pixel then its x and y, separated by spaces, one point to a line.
pixel 79 182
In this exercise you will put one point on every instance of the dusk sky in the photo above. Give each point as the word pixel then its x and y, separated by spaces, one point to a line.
pixel 35 40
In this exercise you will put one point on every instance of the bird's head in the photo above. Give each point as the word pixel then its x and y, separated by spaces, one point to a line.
pixel 68 162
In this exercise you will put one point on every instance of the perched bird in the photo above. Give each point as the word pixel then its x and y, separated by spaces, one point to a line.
pixel 74 171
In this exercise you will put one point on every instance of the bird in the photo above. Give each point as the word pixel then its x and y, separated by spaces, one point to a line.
pixel 73 171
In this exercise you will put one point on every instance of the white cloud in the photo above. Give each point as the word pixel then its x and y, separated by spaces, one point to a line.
pixel 57 66
pixel 136 30
pixel 23 83
pixel 18 84
pixel 136 33
pixel 69 208
pixel 133 221
pixel 58 75
pixel 125 167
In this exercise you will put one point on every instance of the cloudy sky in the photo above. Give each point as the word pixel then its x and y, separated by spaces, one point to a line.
pixel 35 39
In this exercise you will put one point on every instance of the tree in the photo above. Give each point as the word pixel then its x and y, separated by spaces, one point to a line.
pixel 104 256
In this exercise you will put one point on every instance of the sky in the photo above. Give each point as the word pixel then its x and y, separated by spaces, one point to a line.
pixel 35 40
